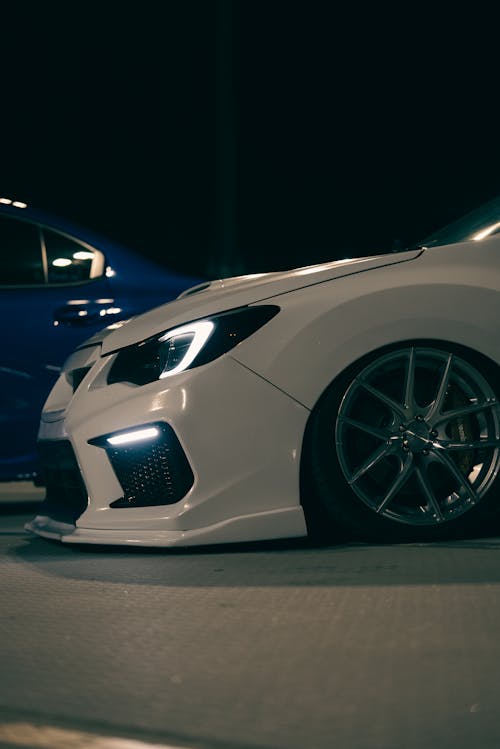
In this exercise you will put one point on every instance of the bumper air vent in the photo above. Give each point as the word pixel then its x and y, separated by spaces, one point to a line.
pixel 66 497
pixel 152 472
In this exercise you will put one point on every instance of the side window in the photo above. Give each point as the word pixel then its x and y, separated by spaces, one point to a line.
pixel 20 253
pixel 69 261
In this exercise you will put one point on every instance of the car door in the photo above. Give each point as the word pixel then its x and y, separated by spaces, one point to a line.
pixel 54 293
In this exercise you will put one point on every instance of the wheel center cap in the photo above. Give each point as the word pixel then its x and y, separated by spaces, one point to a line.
pixel 417 434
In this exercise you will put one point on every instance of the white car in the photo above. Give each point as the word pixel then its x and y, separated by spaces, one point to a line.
pixel 360 394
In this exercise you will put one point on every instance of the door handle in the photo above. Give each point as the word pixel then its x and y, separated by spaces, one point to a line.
pixel 79 315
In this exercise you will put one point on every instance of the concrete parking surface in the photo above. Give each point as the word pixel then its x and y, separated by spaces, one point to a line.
pixel 279 645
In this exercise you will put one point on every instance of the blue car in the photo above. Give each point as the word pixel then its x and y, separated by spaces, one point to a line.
pixel 59 284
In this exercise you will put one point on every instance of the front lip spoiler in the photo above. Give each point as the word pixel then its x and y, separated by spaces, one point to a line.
pixel 285 522
pixel 44 526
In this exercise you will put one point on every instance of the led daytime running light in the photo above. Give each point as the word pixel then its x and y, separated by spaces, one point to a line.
pixel 201 330
pixel 136 435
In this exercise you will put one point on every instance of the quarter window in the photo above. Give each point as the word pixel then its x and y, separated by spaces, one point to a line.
pixel 69 261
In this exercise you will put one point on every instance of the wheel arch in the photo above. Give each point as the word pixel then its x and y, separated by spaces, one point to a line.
pixel 472 354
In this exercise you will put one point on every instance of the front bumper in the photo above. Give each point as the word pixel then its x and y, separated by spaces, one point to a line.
pixel 241 437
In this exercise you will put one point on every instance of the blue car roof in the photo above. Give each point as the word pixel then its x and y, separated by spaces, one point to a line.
pixel 20 210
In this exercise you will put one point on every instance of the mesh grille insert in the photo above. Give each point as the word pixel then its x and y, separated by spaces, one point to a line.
pixel 155 472
pixel 66 497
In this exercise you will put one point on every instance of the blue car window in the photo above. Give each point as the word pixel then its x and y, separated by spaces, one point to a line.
pixel 69 261
pixel 20 253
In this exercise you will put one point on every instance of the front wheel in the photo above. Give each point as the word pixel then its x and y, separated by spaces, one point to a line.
pixel 406 445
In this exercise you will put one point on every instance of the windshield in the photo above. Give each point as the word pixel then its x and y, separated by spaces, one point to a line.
pixel 476 225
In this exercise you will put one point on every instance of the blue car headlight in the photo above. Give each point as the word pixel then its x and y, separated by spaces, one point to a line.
pixel 187 346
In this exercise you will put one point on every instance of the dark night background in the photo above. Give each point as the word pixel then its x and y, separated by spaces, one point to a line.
pixel 323 133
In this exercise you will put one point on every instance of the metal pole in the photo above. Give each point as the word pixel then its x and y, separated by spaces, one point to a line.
pixel 225 258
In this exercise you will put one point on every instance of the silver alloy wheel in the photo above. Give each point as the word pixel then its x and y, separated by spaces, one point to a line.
pixel 418 435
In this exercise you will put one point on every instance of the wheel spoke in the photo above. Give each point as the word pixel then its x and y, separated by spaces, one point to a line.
pixel 443 386
pixel 409 400
pixel 396 407
pixel 374 458
pixel 458 413
pixel 473 445
pixel 382 434
pixel 397 484
pixel 418 435
pixel 462 480
pixel 429 494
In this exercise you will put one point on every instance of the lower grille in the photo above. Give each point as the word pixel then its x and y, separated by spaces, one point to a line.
pixel 66 498
pixel 154 473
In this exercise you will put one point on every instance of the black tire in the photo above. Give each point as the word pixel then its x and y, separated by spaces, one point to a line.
pixel 405 446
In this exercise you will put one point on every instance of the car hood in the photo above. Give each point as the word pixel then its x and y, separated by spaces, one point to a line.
pixel 224 294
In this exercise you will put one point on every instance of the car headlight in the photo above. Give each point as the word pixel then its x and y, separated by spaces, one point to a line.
pixel 188 346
